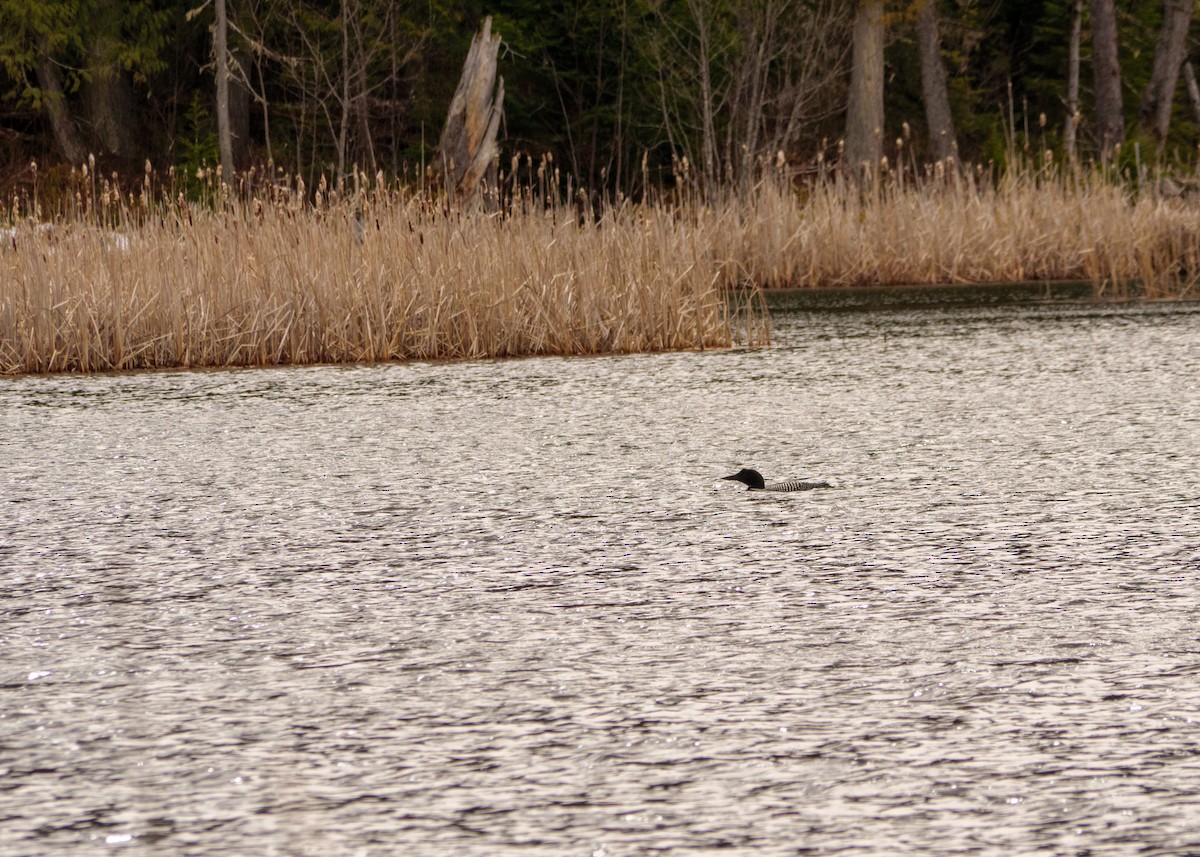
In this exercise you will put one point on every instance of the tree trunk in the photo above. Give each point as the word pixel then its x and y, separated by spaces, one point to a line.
pixel 748 96
pixel 1169 52
pixel 616 153
pixel 239 110
pixel 224 135
pixel 66 133
pixel 468 145
pixel 942 142
pixel 1072 124
pixel 344 119
pixel 364 126
pixel 109 104
pixel 707 105
pixel 864 112
pixel 266 113
pixel 1110 121
pixel 107 96
pixel 1193 89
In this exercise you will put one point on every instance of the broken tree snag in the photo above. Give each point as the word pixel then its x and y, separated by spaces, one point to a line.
pixel 467 150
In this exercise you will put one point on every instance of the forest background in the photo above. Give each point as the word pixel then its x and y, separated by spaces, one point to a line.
pixel 618 92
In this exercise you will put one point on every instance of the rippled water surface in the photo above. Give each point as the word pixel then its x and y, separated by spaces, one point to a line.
pixel 506 608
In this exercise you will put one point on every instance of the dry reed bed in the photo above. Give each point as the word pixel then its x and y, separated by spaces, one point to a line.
pixel 964 232
pixel 383 279
pixel 389 277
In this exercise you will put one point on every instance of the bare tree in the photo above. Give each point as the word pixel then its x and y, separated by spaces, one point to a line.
pixel 1072 123
pixel 790 62
pixel 942 142
pixel 616 159
pixel 742 81
pixel 349 75
pixel 53 100
pixel 334 62
pixel 254 23
pixel 864 111
pixel 222 60
pixel 1110 120
pixel 1169 53
pixel 467 147
pixel 810 80
pixel 107 93
pixel 1193 89
pixel 689 60
pixel 702 13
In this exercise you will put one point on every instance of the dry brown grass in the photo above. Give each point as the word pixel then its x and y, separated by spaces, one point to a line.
pixel 967 230
pixel 379 276
pixel 272 278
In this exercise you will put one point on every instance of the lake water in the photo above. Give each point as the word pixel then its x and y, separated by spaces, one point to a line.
pixel 507 608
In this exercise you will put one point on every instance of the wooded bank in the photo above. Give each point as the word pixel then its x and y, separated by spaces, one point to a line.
pixel 318 87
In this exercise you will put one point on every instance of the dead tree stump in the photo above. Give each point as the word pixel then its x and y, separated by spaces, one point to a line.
pixel 467 149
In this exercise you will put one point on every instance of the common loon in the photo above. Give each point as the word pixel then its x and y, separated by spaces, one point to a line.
pixel 754 479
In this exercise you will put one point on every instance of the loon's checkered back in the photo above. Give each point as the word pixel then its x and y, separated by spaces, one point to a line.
pixel 794 485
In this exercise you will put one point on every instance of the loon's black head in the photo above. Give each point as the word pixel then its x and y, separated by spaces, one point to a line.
pixel 751 477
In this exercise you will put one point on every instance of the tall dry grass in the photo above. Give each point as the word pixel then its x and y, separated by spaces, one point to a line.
pixel 964 229
pixel 377 276
pixel 270 277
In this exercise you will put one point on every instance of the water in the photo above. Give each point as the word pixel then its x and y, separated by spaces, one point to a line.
pixel 506 608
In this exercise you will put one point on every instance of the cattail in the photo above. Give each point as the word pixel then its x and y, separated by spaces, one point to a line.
pixel 269 276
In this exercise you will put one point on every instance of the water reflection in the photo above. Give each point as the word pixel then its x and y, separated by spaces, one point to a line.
pixel 484 607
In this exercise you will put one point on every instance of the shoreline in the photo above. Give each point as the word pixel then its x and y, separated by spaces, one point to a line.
pixel 814 299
